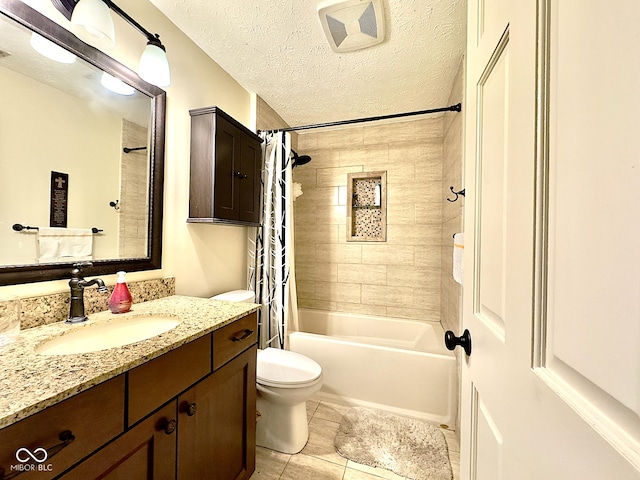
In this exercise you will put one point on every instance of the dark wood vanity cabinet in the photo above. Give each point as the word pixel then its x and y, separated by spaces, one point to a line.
pixel 68 431
pixel 226 164
pixel 146 451
pixel 188 414
pixel 217 421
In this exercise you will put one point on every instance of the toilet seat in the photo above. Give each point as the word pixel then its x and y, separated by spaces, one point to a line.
pixel 285 369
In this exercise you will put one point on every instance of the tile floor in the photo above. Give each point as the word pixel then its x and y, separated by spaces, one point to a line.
pixel 319 459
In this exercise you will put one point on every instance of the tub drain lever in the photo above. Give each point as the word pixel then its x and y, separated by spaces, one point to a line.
pixel 464 340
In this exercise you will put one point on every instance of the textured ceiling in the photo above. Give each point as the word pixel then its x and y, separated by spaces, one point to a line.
pixel 277 49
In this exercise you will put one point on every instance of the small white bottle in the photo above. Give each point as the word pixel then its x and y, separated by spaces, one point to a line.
pixel 378 195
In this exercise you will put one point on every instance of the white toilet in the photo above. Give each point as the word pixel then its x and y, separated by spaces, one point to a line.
pixel 285 381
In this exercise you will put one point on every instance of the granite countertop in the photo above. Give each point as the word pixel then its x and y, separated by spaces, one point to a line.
pixel 30 382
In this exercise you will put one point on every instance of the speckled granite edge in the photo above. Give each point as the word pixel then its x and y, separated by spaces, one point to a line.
pixel 46 309
pixel 30 382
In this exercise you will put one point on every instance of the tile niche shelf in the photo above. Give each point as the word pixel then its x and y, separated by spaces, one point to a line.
pixel 367 207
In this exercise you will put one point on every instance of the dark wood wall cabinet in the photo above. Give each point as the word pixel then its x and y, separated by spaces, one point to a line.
pixel 188 414
pixel 226 163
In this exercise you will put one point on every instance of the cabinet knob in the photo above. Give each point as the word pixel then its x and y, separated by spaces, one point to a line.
pixel 169 427
pixel 189 409
pixel 241 176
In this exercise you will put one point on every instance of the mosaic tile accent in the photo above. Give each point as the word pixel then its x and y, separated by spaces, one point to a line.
pixel 367 218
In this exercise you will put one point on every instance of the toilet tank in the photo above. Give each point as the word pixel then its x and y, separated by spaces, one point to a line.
pixel 246 296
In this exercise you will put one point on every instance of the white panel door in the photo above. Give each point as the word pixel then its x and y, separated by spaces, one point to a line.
pixel 552 241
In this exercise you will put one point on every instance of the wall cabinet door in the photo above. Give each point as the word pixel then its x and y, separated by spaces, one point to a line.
pixel 146 451
pixel 226 161
pixel 217 421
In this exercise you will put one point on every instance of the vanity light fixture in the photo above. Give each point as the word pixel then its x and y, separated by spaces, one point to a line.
pixel 94 16
pixel 153 66
pixel 50 50
pixel 116 85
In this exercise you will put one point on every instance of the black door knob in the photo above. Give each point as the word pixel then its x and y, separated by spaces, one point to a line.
pixel 451 341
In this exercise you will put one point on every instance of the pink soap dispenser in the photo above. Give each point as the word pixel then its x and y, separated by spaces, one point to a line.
pixel 120 301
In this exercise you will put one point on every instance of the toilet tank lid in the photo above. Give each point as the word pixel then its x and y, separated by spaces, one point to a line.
pixel 236 296
pixel 283 366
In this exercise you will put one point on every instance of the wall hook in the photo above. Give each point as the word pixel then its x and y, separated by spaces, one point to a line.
pixel 115 205
pixel 457 194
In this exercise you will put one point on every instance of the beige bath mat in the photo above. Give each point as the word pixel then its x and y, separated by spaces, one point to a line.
pixel 406 446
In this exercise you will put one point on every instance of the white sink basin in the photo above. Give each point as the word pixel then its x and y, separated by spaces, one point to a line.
pixel 115 332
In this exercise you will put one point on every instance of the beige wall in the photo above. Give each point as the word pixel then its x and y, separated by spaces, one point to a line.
pixel 205 259
pixel 67 141
pixel 401 277
pixel 268 119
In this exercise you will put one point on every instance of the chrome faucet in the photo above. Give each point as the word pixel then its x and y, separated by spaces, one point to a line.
pixel 77 285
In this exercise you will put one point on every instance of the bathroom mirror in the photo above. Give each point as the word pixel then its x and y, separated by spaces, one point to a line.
pixel 75 154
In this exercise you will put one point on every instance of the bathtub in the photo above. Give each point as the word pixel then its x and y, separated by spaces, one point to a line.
pixel 387 363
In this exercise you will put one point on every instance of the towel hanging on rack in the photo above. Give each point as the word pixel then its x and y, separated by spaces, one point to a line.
pixel 64 244
pixel 458 257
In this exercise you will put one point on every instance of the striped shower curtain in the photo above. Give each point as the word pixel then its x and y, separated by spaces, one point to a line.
pixel 270 256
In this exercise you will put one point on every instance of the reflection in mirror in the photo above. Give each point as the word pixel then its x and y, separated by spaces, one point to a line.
pixel 75 138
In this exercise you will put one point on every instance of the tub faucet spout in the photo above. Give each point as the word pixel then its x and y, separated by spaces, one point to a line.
pixel 77 284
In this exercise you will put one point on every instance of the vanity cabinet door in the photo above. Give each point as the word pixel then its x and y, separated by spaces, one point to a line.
pixel 147 451
pixel 217 422
pixel 63 434
pixel 161 379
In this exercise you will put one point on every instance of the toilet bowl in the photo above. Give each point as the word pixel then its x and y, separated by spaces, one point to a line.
pixel 285 381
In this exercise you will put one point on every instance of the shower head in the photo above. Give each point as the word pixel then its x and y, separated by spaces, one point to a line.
pixel 299 159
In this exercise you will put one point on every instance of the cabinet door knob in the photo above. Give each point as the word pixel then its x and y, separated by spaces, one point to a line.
pixel 169 427
pixel 241 176
pixel 190 409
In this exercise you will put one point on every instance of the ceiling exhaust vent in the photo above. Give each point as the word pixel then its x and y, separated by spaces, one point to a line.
pixel 352 24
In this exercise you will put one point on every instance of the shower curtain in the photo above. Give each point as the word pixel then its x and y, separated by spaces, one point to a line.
pixel 270 258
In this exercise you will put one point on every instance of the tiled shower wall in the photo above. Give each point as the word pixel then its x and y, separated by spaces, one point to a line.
pixel 401 277
pixel 452 215
pixel 133 213
pixel 451 293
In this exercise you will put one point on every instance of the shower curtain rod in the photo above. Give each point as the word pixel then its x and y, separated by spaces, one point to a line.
pixel 453 108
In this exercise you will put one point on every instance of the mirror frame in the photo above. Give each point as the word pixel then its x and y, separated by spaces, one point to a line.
pixel 17 274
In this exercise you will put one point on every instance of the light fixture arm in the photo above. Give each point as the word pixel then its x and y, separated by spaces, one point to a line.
pixel 151 38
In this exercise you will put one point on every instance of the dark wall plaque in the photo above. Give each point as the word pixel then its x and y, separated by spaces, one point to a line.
pixel 59 199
